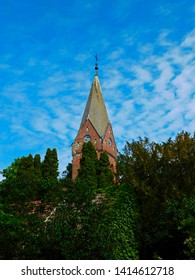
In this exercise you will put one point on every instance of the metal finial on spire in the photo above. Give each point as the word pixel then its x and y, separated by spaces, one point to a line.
pixel 96 64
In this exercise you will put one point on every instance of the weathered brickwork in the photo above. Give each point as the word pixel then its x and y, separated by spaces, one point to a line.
pixel 106 144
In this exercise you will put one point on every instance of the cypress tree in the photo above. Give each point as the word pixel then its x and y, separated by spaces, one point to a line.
pixel 50 164
pixel 25 190
pixel 37 175
pixel 46 164
pixel 26 166
pixel 105 175
pixel 37 166
pixel 54 158
pixel 88 165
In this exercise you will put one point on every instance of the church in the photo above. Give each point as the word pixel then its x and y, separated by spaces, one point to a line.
pixel 95 127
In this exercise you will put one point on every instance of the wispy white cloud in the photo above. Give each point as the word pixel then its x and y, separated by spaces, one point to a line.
pixel 162 89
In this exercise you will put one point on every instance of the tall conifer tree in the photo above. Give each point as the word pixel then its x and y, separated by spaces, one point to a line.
pixel 37 166
pixel 50 164
pixel 88 165
pixel 25 179
pixel 105 175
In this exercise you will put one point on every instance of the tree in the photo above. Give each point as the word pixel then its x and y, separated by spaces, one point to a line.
pixel 12 231
pixel 74 231
pixel 50 164
pixel 11 171
pixel 159 172
pixel 104 174
pixel 21 218
pixel 9 175
pixel 88 166
pixel 19 184
pixel 50 188
pixel 119 226
pixel 37 166
pixel 176 229
pixel 26 179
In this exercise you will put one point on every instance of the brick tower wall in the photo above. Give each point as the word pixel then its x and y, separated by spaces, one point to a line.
pixel 107 144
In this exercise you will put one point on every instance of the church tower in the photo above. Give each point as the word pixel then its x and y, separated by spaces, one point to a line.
pixel 95 127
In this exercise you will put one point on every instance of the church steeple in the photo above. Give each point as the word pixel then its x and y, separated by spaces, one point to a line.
pixel 95 127
pixel 95 109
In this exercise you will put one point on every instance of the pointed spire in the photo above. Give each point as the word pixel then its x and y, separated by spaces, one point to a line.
pixel 95 109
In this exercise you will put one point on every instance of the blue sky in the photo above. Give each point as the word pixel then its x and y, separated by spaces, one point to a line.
pixel 146 55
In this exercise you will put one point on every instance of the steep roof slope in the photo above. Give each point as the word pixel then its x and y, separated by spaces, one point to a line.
pixel 95 109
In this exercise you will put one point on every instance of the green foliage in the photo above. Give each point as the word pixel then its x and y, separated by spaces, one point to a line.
pixel 19 185
pixel 178 224
pixel 21 193
pixel 86 228
pixel 160 173
pixel 72 233
pixel 101 217
pixel 149 214
pixel 32 243
pixel 11 234
pixel 88 165
pixel 152 165
pixel 104 173
pixel 25 180
pixel 20 234
pixel 120 226
pixel 50 164
pixel 11 171
pixel 28 179
pixel 89 212
pixel 37 166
